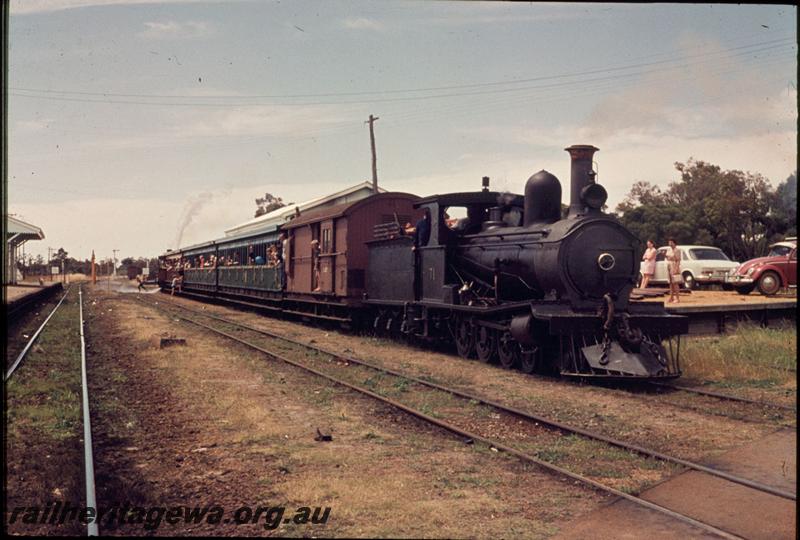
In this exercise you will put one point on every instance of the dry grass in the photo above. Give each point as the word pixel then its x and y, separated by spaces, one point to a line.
pixel 44 452
pixel 749 356
pixel 383 475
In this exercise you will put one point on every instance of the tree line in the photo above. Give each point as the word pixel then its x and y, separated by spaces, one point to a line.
pixel 736 211
pixel 38 266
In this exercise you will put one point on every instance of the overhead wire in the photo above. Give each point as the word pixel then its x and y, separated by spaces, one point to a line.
pixel 608 69
pixel 109 98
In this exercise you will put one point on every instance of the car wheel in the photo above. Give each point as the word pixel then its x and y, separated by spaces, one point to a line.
pixel 689 281
pixel 727 287
pixel 747 289
pixel 769 283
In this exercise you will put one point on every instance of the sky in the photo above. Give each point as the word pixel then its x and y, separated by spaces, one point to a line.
pixel 143 125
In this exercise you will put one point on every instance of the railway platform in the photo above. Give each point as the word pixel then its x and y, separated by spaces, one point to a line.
pixel 17 298
pixel 712 312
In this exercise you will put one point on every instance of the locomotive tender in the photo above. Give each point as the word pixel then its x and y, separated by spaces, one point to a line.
pixel 511 282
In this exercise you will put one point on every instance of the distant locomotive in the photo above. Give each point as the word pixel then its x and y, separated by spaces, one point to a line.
pixel 511 281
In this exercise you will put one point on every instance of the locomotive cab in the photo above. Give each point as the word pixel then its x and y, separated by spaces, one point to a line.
pixel 437 277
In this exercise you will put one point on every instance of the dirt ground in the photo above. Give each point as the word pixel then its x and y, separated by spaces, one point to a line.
pixel 646 420
pixel 214 423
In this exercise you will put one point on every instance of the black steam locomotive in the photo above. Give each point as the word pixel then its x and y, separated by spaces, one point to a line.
pixel 512 281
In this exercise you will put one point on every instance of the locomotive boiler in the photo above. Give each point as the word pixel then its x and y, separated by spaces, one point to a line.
pixel 514 281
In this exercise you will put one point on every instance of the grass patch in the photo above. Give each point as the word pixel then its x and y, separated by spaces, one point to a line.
pixel 749 356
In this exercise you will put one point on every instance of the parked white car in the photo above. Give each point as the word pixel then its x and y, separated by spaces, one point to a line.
pixel 699 265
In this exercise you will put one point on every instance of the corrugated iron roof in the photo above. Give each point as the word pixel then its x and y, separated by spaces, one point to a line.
pixel 331 212
pixel 17 226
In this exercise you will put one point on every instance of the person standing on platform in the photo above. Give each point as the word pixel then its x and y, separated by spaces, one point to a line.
pixel 673 257
pixel 648 264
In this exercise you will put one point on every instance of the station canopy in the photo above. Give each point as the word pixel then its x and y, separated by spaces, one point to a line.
pixel 17 231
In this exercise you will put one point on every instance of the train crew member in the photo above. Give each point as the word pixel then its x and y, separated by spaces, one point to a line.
pixel 673 257
pixel 315 263
pixel 648 264
pixel 422 231
pixel 284 251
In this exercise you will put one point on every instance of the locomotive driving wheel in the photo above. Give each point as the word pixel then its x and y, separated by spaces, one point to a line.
pixel 508 351
pixel 485 344
pixel 529 360
pixel 464 337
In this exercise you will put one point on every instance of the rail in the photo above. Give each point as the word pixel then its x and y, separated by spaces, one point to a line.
pixel 464 433
pixel 91 500
pixel 31 341
pixel 513 410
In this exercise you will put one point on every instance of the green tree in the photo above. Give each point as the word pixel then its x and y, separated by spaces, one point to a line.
pixel 727 209
pixel 784 210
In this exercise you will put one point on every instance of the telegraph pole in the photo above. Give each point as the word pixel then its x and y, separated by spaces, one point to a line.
pixel 371 121
pixel 49 262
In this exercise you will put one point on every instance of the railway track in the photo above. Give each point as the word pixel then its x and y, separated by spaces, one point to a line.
pixel 661 388
pixel 88 461
pixel 17 308
pixel 88 456
pixel 468 434
pixel 723 396
pixel 21 356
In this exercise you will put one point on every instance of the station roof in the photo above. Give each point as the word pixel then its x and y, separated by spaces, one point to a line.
pixel 19 230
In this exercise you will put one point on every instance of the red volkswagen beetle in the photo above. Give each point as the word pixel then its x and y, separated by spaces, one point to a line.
pixel 770 274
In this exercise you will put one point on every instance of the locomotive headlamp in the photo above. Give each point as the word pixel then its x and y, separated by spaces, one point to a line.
pixel 594 196
pixel 606 261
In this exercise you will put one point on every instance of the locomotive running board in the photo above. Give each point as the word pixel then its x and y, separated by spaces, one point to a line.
pixel 641 364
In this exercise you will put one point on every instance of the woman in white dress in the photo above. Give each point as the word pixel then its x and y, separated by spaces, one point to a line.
pixel 648 264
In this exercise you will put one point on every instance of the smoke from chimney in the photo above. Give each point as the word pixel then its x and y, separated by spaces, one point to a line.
pixel 192 207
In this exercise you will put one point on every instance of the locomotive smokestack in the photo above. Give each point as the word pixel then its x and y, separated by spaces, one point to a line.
pixel 581 175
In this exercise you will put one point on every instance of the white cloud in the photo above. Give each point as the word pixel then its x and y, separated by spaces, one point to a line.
pixel 175 30
pixel 697 99
pixel 362 23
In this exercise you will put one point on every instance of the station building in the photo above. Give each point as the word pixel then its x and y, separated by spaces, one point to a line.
pixel 17 233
